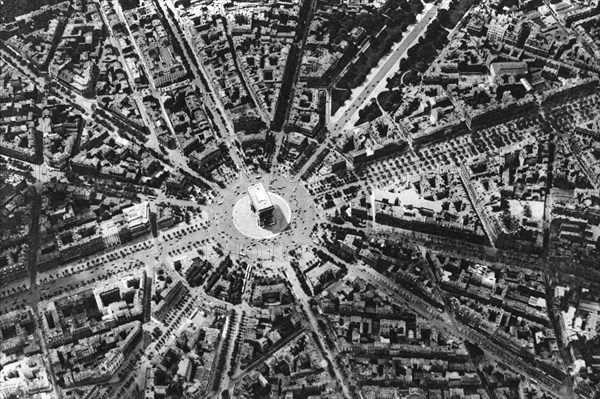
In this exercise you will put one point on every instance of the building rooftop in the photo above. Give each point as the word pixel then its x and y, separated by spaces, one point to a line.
pixel 508 68
pixel 137 214
pixel 259 197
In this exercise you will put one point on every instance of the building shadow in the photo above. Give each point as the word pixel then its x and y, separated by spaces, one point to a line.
pixel 280 223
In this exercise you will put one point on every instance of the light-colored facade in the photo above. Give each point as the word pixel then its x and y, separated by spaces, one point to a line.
pixel 261 204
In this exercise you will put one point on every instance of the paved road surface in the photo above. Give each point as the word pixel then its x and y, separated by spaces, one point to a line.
pixel 383 71
pixel 302 299
pixel 341 120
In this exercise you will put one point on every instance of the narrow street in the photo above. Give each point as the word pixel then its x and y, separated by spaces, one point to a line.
pixel 211 284
pixel 33 238
pixel 223 132
pixel 153 141
pixel 446 322
pixel 302 298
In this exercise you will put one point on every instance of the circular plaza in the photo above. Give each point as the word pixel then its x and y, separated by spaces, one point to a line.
pixel 261 214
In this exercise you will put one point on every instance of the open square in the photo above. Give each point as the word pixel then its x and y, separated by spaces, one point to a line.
pixel 250 220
